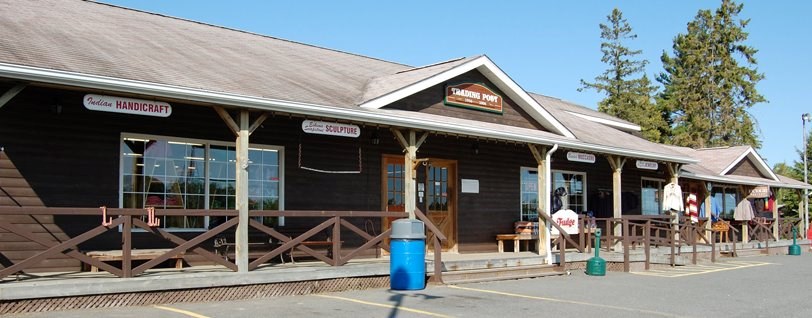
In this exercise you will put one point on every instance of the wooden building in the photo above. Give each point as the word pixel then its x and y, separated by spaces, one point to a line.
pixel 107 106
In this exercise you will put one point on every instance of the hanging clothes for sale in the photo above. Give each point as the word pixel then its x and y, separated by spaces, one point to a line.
pixel 716 208
pixel 691 209
pixel 672 197
pixel 744 211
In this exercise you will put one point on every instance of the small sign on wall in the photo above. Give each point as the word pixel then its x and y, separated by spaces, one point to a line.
pixel 470 186
pixel 580 157
pixel 125 105
pixel 646 165
pixel 332 129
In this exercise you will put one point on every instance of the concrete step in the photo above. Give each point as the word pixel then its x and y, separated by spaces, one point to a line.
pixel 502 273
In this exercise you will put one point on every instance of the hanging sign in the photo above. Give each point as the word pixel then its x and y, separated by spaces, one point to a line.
pixel 580 157
pixel 647 165
pixel 473 95
pixel 127 105
pixel 332 129
pixel 567 220
pixel 759 192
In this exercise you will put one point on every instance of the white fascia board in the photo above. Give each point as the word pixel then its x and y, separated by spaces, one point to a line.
pixel 615 124
pixel 761 165
pixel 363 115
pixel 495 75
pixel 726 180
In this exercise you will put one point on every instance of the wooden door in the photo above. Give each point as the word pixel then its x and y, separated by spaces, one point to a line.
pixel 438 182
pixel 392 191
pixel 436 194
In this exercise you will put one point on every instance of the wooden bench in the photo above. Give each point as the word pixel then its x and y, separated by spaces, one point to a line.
pixel 136 254
pixel 516 238
pixel 223 243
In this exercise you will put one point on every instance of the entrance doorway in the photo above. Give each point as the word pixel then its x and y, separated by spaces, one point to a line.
pixel 436 195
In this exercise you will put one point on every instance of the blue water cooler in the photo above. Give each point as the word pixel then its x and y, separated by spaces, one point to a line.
pixel 407 264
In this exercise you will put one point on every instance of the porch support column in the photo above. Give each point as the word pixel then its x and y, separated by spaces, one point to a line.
pixel 776 221
pixel 540 154
pixel 410 162
pixel 708 213
pixel 673 171
pixel 10 93
pixel 616 163
pixel 242 130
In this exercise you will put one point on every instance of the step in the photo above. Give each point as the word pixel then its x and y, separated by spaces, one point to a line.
pixel 502 273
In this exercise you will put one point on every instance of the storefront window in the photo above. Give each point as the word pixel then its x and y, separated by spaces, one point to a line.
pixel 728 197
pixel 650 196
pixel 575 185
pixel 529 194
pixel 173 173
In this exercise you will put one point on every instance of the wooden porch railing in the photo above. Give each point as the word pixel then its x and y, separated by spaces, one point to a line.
pixel 127 219
pixel 785 226
pixel 437 239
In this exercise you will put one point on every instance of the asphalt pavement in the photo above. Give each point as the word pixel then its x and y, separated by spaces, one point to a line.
pixel 761 286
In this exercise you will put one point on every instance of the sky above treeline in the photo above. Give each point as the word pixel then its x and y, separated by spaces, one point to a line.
pixel 545 46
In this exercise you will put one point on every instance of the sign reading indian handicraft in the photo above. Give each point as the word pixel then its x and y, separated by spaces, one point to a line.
pixel 580 157
pixel 473 95
pixel 647 165
pixel 332 129
pixel 127 105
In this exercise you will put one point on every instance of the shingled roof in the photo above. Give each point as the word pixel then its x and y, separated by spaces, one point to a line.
pixel 88 44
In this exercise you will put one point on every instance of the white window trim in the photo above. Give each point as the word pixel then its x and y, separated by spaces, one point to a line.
pixel 586 190
pixel 208 143
pixel 660 201
pixel 521 190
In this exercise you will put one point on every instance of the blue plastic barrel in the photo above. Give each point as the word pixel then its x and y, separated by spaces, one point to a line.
pixel 407 262
pixel 407 265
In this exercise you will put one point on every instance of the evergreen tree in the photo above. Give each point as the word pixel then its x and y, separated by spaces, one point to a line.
pixel 710 82
pixel 626 98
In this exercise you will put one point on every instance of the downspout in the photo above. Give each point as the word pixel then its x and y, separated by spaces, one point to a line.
pixel 548 180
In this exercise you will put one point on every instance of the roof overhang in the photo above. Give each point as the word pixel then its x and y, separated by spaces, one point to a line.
pixel 728 180
pixel 372 116
pixel 610 123
pixel 760 164
pixel 484 65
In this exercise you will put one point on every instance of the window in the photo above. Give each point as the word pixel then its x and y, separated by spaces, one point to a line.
pixel 167 173
pixel 575 184
pixel 651 203
pixel 529 194
pixel 728 197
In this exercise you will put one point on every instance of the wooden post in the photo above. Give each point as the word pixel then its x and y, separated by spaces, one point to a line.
pixel 673 170
pixel 617 169
pixel 541 185
pixel 126 250
pixel 242 131
pixel 776 222
pixel 410 148
pixel 241 238
pixel 708 214
pixel 10 93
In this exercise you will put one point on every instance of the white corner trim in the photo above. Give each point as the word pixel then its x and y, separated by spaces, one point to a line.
pixel 615 124
pixel 495 75
pixel 760 164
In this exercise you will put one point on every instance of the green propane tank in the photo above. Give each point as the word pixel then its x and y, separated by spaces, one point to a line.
pixel 596 266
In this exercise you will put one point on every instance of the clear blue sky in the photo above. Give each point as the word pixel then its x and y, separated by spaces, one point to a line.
pixel 545 46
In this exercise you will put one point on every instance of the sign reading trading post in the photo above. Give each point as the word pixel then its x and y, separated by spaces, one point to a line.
pixel 473 95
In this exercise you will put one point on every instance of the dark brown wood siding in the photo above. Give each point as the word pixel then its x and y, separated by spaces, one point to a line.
pixel 431 101
pixel 70 157
pixel 747 168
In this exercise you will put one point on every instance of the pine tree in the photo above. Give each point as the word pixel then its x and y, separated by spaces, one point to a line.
pixel 626 98
pixel 710 82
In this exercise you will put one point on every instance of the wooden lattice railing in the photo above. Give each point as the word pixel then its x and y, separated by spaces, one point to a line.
pixel 123 221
